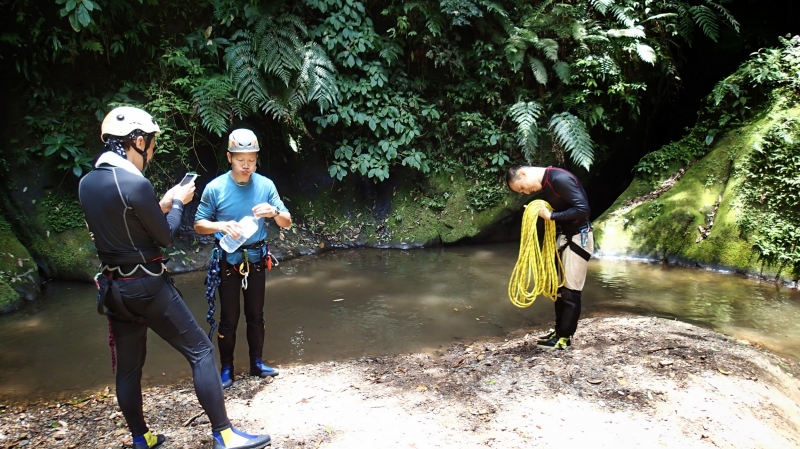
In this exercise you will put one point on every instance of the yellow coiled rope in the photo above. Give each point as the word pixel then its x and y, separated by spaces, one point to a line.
pixel 534 263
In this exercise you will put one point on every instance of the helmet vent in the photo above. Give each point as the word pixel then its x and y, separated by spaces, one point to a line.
pixel 120 117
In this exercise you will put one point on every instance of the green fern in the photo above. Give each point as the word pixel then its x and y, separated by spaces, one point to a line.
pixel 271 70
pixel 571 133
pixel 539 70
pixel 726 15
pixel 525 115
pixel 622 16
pixel 602 5
pixel 563 71
pixel 549 47
pixel 707 21
pixel 646 53
pixel 215 100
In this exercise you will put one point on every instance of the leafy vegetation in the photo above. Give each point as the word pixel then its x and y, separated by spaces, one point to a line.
pixel 429 85
pixel 772 193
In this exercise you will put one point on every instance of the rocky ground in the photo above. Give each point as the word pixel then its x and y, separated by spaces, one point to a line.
pixel 625 382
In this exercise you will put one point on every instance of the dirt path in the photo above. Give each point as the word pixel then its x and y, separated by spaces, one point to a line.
pixel 626 382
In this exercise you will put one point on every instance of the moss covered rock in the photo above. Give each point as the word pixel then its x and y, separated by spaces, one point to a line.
pixel 716 211
pixel 19 277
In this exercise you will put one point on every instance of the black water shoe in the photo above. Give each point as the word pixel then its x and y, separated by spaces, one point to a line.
pixel 148 441
pixel 555 343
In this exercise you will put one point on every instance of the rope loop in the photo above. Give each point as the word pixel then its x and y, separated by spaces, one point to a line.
pixel 539 265
pixel 212 281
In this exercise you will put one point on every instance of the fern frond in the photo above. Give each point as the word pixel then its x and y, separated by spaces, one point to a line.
pixel 214 100
pixel 316 76
pixel 563 71
pixel 549 47
pixel 602 5
pixel 685 24
pixel 622 16
pixel 646 53
pixel 525 115
pixel 391 52
pixel 571 133
pixel 540 9
pixel 495 8
pixel 539 70
pixel 435 25
pixel 725 14
pixel 706 20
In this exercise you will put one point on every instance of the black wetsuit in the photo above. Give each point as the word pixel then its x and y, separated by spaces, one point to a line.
pixel 129 229
pixel 571 212
pixel 565 194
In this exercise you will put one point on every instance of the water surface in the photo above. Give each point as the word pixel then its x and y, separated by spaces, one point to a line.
pixel 352 303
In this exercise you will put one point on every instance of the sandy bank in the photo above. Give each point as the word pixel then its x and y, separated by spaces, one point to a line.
pixel 626 382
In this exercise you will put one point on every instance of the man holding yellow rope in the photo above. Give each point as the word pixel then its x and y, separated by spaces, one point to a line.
pixel 575 241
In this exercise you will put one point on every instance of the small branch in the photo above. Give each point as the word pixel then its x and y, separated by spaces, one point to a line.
pixel 191 420
pixel 665 348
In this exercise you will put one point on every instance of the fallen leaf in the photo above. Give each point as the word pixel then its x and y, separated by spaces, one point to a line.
pixel 723 371
pixel 622 381
pixel 594 381
pixel 422 388
pixel 516 359
pixel 455 309
pixel 337 300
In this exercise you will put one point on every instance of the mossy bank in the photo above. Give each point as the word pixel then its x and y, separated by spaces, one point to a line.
pixel 19 278
pixel 727 195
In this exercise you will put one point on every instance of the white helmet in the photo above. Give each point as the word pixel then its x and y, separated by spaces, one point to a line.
pixel 124 120
pixel 242 141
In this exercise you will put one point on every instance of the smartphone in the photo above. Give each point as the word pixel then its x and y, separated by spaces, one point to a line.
pixel 189 178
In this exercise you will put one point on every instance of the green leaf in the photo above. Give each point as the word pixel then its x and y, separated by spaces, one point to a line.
pixel 646 53
pixel 83 16
pixel 73 22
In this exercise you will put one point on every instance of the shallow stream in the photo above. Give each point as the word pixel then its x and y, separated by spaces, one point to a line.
pixel 371 302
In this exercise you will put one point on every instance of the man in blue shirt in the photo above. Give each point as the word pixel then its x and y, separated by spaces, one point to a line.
pixel 227 199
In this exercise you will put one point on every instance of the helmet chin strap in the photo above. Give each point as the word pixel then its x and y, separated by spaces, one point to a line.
pixel 144 153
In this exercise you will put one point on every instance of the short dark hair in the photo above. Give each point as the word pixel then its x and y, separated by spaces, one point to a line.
pixel 512 174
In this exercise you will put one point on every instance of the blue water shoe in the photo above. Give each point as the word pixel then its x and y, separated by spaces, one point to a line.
pixel 148 441
pixel 226 375
pixel 257 368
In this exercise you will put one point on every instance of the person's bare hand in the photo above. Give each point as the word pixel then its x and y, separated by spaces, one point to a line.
pixel 166 201
pixel 265 210
pixel 544 213
pixel 184 193
pixel 230 228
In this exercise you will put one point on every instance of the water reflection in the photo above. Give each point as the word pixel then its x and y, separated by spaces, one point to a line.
pixel 372 302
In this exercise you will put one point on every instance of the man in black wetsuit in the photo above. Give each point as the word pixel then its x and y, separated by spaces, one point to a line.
pixel 130 226
pixel 575 241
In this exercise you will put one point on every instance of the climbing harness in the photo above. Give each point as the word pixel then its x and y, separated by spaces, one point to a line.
pixel 538 264
pixel 214 275
pixel 108 274
pixel 212 281
pixel 120 273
